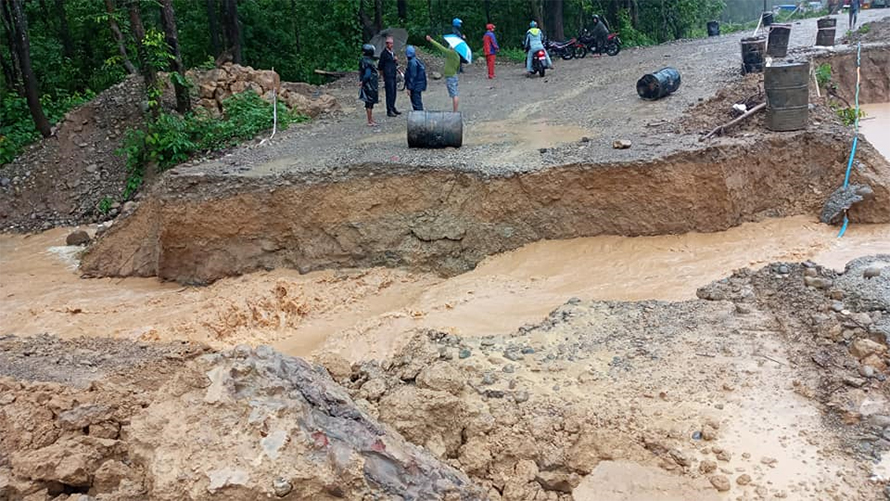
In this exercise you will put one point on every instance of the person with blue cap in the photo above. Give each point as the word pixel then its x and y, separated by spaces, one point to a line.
pixel 456 26
pixel 415 78
pixel 534 41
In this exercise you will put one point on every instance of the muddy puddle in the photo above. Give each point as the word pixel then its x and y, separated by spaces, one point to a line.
pixel 367 313
pixel 876 126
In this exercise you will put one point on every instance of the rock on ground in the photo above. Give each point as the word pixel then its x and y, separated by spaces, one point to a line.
pixel 243 424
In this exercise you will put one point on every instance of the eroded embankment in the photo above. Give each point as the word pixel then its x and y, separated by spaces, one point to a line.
pixel 197 228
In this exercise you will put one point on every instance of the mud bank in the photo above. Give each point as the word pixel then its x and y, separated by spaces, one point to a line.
pixel 197 228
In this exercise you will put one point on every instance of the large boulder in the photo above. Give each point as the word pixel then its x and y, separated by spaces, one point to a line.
pixel 257 424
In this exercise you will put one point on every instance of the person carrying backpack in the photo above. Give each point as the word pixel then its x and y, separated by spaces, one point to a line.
pixel 368 86
pixel 415 78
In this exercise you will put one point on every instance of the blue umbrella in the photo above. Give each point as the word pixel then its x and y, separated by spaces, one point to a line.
pixel 460 46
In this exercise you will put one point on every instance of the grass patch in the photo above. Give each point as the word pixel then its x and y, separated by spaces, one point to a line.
pixel 171 139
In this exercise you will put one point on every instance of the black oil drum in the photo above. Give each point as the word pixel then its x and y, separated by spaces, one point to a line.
pixel 659 84
pixel 787 95
pixel 777 46
pixel 767 19
pixel 753 49
pixel 713 29
pixel 826 33
pixel 435 129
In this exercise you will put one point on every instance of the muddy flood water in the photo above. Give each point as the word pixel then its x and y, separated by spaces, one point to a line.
pixel 366 313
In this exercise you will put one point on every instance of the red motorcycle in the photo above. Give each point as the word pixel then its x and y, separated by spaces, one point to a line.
pixel 539 62
pixel 612 46
pixel 566 50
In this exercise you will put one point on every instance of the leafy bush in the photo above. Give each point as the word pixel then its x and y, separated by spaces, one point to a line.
pixel 630 37
pixel 848 115
pixel 513 54
pixel 823 74
pixel 171 139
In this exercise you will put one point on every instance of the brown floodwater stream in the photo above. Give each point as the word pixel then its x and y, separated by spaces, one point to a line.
pixel 368 313
pixel 362 313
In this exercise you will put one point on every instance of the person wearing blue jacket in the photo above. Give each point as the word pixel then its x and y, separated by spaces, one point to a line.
pixel 415 78
pixel 534 41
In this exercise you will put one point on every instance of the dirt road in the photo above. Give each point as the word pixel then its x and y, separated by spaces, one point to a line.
pixel 508 121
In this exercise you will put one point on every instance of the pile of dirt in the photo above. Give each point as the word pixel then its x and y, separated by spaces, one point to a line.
pixel 749 92
pixel 62 179
pixel 216 85
pixel 875 31
pixel 169 429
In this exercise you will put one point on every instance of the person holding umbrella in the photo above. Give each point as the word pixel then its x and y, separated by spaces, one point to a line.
pixel 452 63
pixel 388 66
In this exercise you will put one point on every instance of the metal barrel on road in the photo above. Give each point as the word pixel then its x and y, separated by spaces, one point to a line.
pixel 767 19
pixel 713 28
pixel 777 46
pixel 435 129
pixel 787 95
pixel 753 49
pixel 825 35
pixel 659 84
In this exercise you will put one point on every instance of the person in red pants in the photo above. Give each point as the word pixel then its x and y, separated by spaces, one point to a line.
pixel 490 48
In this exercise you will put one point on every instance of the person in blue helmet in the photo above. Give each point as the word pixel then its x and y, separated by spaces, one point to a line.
pixel 534 41
pixel 456 26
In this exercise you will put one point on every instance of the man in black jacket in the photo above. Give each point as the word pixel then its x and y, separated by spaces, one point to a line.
pixel 387 67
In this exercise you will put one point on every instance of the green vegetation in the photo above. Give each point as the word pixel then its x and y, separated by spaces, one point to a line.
pixel 848 115
pixel 105 205
pixel 171 139
pixel 823 74
pixel 513 54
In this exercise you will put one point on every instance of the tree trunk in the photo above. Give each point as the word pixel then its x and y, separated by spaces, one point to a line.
pixel 378 15
pixel 168 20
pixel 148 72
pixel 64 31
pixel 14 66
pixel 366 23
pixel 555 25
pixel 233 31
pixel 23 48
pixel 212 10
pixel 402 7
pixel 119 38
pixel 296 24
pixel 488 11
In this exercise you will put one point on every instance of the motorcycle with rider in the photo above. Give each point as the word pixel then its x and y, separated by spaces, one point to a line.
pixel 537 60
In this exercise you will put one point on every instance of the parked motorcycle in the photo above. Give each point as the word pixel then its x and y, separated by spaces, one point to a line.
pixel 612 46
pixel 565 50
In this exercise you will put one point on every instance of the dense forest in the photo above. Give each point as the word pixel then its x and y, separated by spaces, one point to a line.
pixel 54 54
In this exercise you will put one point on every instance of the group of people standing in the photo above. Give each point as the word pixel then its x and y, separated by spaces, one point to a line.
pixel 415 73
